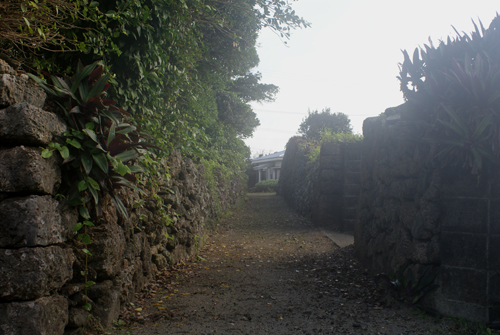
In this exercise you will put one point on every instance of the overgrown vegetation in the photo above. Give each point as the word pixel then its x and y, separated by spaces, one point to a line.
pixel 265 186
pixel 453 93
pixel 182 69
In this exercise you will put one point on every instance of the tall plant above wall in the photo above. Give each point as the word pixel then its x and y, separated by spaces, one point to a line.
pixel 453 91
pixel 100 147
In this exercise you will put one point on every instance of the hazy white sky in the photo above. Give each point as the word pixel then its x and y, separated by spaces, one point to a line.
pixel 348 60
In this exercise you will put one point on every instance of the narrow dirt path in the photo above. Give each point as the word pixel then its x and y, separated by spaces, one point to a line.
pixel 264 271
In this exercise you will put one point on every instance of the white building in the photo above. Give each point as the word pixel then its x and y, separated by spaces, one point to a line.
pixel 268 167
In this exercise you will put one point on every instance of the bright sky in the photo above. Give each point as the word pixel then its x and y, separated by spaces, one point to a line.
pixel 348 60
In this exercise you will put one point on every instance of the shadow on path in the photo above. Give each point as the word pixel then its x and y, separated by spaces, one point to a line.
pixel 265 270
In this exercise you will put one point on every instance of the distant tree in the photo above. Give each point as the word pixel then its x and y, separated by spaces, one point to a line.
pixel 316 122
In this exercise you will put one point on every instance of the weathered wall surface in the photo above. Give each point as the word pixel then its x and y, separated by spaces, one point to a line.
pixel 412 211
pixel 338 186
pixel 326 190
pixel 42 290
pixel 297 183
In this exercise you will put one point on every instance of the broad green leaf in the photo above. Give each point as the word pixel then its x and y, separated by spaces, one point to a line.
pixel 85 72
pixel 96 90
pixel 127 155
pixel 111 135
pixel 122 169
pixel 86 159
pixel 47 153
pixel 77 227
pixel 87 307
pixel 82 185
pixel 86 239
pixel 93 183
pixel 87 251
pixel 94 195
pixel 89 283
pixel 83 88
pixel 88 223
pixel 64 151
pixel 90 125
pixel 74 143
pixel 78 134
pixel 91 134
pixel 126 130
pixel 110 115
pixel 135 169
pixel 101 161
pixel 84 212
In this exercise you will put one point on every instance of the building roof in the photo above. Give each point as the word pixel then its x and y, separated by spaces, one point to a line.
pixel 277 156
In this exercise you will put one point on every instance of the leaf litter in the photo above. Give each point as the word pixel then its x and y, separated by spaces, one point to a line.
pixel 265 270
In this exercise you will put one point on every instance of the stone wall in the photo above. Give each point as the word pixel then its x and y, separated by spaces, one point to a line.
pixel 297 183
pixel 338 186
pixel 326 190
pixel 42 290
pixel 411 210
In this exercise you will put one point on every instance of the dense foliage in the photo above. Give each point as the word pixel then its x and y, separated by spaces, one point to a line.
pixel 181 68
pixel 266 186
pixel 453 93
pixel 317 122
pixel 100 147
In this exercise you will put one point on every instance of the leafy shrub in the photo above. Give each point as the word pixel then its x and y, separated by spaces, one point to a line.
pixel 100 146
pixel 266 186
pixel 453 94
pixel 329 136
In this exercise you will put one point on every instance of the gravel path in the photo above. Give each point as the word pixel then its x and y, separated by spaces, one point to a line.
pixel 265 270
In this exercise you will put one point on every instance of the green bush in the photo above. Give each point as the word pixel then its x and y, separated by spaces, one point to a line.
pixel 265 186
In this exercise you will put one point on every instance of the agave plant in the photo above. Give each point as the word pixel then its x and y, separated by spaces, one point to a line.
pixel 455 91
pixel 100 147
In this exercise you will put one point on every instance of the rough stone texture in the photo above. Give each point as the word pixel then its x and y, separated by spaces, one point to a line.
pixel 44 316
pixel 30 221
pixel 29 273
pixel 326 190
pixel 298 180
pixel 29 125
pixel 17 89
pixel 411 209
pixel 24 170
pixel 166 224
pixel 107 247
pixel 77 317
pixel 107 308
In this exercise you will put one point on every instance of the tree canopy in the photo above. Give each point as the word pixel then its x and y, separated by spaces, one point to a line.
pixel 182 68
pixel 317 122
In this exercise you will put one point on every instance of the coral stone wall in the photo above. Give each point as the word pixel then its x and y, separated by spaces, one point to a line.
pixel 297 183
pixel 325 190
pixel 338 186
pixel 42 290
pixel 413 211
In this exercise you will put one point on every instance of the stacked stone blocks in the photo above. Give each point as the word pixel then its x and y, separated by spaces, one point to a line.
pixel 33 264
pixel 42 291
pixel 413 211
